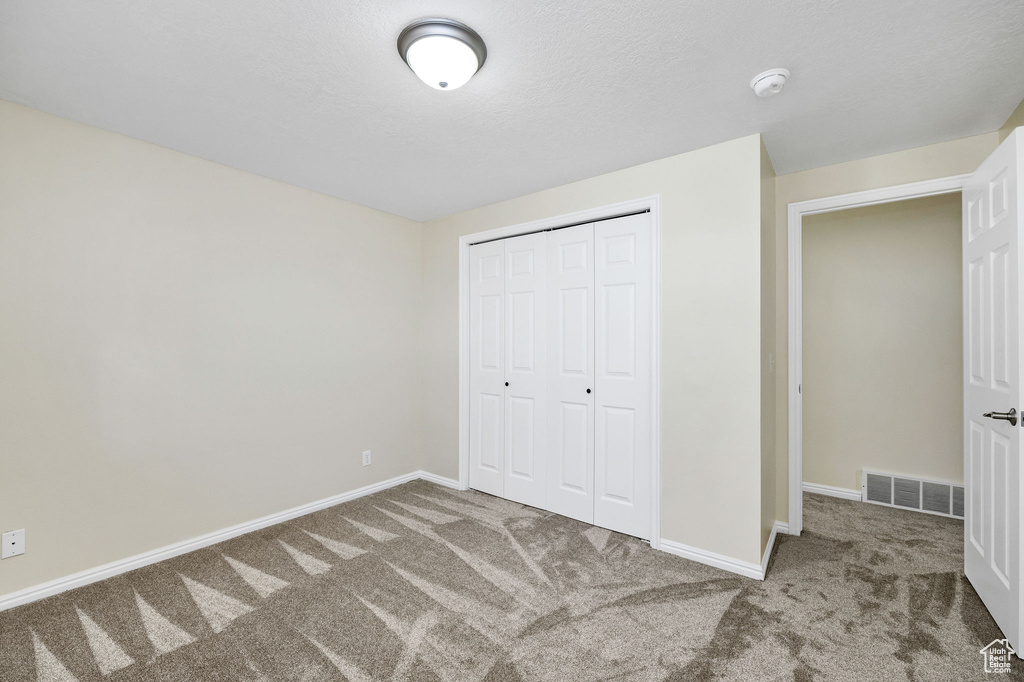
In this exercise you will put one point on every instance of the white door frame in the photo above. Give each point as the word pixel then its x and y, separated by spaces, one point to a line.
pixel 652 204
pixel 797 211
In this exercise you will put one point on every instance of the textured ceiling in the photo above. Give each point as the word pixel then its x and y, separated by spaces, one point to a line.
pixel 314 93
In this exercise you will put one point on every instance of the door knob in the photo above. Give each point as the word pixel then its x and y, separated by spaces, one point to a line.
pixel 1010 416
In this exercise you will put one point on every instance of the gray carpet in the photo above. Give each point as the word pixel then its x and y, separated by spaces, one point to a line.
pixel 424 583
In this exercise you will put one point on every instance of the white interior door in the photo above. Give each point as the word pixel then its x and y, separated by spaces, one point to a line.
pixel 570 475
pixel 526 369
pixel 487 367
pixel 992 228
pixel 622 352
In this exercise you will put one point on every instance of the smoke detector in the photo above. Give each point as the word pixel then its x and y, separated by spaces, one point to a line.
pixel 769 83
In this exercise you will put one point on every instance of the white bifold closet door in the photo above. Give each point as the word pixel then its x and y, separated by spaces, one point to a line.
pixel 560 371
pixel 508 296
pixel 487 367
pixel 622 354
pixel 571 372
pixel 526 368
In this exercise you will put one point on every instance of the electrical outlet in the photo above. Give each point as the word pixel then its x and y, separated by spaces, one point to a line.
pixel 366 458
pixel 13 544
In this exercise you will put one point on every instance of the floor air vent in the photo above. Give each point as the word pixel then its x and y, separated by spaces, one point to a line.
pixel 931 497
pixel 877 488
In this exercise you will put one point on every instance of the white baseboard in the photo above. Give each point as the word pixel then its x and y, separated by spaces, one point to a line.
pixel 744 568
pixel 440 480
pixel 832 491
pixel 778 528
pixel 48 589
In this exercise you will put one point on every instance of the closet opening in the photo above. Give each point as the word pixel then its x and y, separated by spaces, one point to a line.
pixel 559 365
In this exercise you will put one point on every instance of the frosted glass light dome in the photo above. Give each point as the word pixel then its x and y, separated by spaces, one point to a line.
pixel 443 53
pixel 441 62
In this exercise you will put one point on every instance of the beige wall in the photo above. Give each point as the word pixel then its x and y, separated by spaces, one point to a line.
pixel 768 304
pixel 711 262
pixel 912 165
pixel 184 346
pixel 883 342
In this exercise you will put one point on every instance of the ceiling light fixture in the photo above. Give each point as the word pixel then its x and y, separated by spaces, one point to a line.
pixel 443 53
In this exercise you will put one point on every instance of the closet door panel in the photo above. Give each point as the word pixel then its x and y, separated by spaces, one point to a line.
pixel 623 312
pixel 526 369
pixel 487 367
pixel 575 444
pixel 570 404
